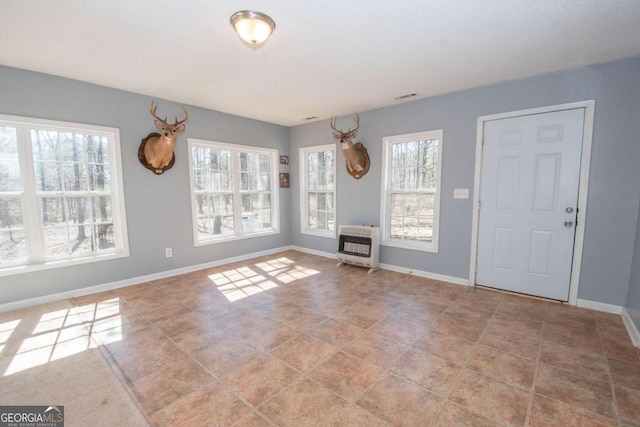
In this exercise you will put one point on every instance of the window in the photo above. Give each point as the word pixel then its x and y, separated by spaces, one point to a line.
pixel 232 191
pixel 318 190
pixel 411 190
pixel 61 195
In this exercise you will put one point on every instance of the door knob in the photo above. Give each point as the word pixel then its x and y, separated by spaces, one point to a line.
pixel 568 223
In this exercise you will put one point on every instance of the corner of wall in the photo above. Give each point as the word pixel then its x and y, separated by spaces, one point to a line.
pixel 632 329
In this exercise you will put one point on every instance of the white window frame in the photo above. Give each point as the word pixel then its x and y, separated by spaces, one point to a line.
pixel 385 207
pixel 235 149
pixel 304 189
pixel 31 198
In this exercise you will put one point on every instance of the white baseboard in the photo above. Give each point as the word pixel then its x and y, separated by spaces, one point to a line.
pixel 426 274
pixel 599 306
pixel 133 281
pixel 608 308
pixel 156 276
pixel 414 272
pixel 314 252
pixel 632 329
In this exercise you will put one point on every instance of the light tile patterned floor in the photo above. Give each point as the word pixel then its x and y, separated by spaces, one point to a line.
pixel 293 340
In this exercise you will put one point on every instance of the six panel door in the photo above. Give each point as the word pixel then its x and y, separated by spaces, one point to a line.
pixel 528 203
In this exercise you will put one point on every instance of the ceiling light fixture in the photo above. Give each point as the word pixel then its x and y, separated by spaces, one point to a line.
pixel 253 28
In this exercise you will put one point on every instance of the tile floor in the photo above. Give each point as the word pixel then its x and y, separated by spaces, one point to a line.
pixel 292 340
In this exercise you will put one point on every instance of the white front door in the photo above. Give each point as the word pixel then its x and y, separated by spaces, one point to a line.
pixel 528 202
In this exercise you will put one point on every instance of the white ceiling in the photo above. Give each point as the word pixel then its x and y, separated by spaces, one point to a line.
pixel 326 57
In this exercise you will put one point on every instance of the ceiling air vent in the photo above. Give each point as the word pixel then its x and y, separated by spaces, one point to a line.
pixel 309 118
pixel 407 96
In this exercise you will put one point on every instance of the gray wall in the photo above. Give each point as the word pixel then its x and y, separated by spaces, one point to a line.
pixel 612 211
pixel 158 207
pixel 633 297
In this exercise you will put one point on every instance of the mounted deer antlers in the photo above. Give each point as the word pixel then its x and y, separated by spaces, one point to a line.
pixel 156 150
pixel 356 156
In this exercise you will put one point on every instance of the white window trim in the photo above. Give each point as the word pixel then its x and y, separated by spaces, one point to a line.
pixel 31 205
pixel 275 204
pixel 385 202
pixel 304 211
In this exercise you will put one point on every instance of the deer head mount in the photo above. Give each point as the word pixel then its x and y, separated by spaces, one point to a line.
pixel 156 150
pixel 355 155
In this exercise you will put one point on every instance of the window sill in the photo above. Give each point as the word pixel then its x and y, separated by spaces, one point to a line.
pixel 30 268
pixel 234 238
pixel 326 234
pixel 410 245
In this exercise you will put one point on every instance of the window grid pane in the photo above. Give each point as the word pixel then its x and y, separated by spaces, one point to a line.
pixel 70 161
pixel 214 215
pixel 255 172
pixel 72 165
pixel 13 245
pixel 320 174
pixel 411 189
pixel 414 165
pixel 76 226
pixel 255 179
pixel 320 187
pixel 412 216
pixel 213 183
pixel 256 212
pixel 9 161
pixel 232 192
pixel 321 210
pixel 72 195
pixel 212 170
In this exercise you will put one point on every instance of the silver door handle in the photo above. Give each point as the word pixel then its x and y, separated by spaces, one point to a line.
pixel 568 223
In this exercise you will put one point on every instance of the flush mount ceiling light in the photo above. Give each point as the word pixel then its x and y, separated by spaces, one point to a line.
pixel 253 28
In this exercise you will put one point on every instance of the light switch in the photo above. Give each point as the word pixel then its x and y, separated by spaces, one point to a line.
pixel 461 193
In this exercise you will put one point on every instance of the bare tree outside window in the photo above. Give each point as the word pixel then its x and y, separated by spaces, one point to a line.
pixel 318 189
pixel 60 194
pixel 232 191
pixel 411 192
pixel 12 237
pixel 72 174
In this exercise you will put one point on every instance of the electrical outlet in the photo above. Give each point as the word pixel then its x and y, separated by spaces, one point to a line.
pixel 168 253
pixel 461 193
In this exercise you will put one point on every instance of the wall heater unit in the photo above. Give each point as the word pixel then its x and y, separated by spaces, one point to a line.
pixel 359 245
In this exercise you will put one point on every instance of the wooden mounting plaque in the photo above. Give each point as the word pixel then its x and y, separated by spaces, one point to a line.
pixel 143 159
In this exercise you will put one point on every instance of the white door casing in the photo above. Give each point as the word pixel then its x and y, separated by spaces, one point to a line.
pixel 530 177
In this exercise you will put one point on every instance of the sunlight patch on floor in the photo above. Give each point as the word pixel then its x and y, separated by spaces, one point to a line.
pixel 242 282
pixel 105 320
pixel 6 329
pixel 63 333
pixel 285 270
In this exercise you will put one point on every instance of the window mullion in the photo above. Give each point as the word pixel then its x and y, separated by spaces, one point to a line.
pixel 307 191
pixel 334 191
pixel 31 206
pixel 237 196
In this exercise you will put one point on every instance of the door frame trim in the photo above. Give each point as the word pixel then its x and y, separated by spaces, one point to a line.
pixel 585 162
